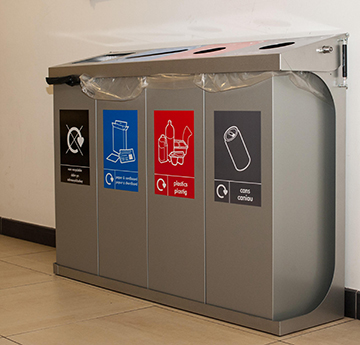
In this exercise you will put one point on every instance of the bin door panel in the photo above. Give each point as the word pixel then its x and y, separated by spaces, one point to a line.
pixel 122 191
pixel 176 192
pixel 239 199
pixel 304 199
pixel 75 179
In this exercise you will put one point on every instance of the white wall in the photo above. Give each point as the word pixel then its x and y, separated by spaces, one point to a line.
pixel 37 34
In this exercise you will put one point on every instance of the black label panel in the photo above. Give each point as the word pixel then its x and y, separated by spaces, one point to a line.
pixel 237 140
pixel 73 174
pixel 74 146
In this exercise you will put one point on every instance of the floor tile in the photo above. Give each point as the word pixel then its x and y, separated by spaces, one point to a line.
pixel 347 333
pixel 4 341
pixel 37 307
pixel 317 328
pixel 41 262
pixel 14 276
pixel 57 302
pixel 10 246
pixel 150 326
pixel 222 323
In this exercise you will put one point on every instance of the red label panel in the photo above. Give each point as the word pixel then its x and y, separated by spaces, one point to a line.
pixel 161 184
pixel 174 153
pixel 182 187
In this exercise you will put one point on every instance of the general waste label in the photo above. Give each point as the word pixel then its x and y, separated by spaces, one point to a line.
pixel 74 146
pixel 237 157
pixel 174 153
pixel 121 150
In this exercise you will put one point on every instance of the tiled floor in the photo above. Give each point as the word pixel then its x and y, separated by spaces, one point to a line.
pixel 39 308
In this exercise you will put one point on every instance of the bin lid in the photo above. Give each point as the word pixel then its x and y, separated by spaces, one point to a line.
pixel 320 53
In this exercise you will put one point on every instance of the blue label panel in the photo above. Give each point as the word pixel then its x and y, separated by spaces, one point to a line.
pixel 121 150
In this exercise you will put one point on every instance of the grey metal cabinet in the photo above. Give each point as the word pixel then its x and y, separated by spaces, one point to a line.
pixel 208 178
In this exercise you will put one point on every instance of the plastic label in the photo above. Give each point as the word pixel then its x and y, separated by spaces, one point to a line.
pixel 174 153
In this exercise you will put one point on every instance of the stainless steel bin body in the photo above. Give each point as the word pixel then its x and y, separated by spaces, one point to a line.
pixel 225 198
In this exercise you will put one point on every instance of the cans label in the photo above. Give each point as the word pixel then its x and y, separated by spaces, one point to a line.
pixel 238 157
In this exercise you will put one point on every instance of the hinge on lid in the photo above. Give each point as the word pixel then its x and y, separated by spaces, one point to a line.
pixel 344 72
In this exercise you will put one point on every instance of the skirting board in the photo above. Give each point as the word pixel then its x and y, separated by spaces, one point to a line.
pixel 27 231
pixel 352 303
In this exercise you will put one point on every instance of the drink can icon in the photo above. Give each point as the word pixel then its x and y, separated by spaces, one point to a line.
pixel 237 149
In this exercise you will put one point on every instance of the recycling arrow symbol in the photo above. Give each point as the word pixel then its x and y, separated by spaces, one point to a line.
pixel 221 191
pixel 109 179
pixel 160 184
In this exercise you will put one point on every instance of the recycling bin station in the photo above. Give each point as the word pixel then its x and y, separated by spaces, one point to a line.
pixel 207 178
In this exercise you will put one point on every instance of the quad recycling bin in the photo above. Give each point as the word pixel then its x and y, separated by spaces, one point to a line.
pixel 208 178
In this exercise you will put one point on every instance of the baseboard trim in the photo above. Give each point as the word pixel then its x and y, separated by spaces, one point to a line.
pixel 352 303
pixel 27 231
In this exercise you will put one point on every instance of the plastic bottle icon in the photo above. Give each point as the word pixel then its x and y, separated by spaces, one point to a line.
pixel 237 149
pixel 162 149
pixel 170 136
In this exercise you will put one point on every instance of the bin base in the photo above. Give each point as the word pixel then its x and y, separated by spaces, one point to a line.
pixel 315 318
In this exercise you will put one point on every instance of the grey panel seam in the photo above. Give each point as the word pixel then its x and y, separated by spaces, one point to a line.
pixel 146 192
pixel 204 194
pixel 97 189
pixel 272 195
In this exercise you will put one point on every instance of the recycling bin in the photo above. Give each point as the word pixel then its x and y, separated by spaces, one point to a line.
pixel 207 178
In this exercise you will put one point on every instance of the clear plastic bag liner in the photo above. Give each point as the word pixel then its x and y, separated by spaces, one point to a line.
pixel 171 81
pixel 219 82
pixel 127 88
pixel 310 82
pixel 115 89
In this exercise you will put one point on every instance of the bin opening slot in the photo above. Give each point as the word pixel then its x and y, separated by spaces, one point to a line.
pixel 278 45
pixel 155 54
pixel 103 58
pixel 210 50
